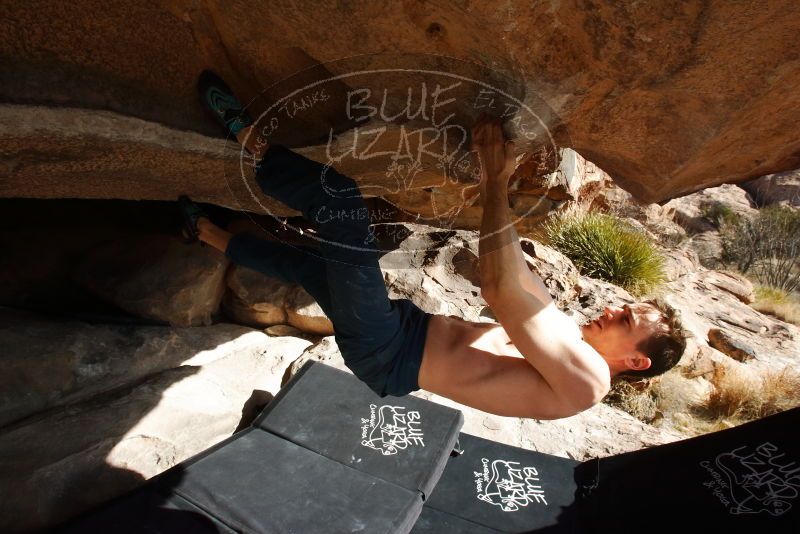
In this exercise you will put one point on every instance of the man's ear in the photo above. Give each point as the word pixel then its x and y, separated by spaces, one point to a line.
pixel 638 362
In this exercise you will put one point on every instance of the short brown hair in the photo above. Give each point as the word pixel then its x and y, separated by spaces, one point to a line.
pixel 667 344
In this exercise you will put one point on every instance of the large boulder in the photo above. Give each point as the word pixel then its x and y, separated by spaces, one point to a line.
pixel 714 309
pixel 75 360
pixel 631 86
pixel 779 188
pixel 439 271
pixel 696 212
pixel 254 298
pixel 157 277
pixel 702 215
pixel 106 407
pixel 303 312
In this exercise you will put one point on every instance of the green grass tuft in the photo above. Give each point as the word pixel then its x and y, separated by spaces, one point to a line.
pixel 605 247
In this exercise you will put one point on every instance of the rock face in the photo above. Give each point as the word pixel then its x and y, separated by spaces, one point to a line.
pixel 780 188
pixel 254 298
pixel 736 349
pixel 700 215
pixel 303 312
pixel 633 87
pixel 75 360
pixel 692 211
pixel 110 406
pixel 259 300
pixel 157 277
pixel 439 271
pixel 713 308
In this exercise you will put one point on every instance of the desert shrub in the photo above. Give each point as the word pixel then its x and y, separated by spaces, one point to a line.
pixel 606 247
pixel 673 239
pixel 766 247
pixel 718 214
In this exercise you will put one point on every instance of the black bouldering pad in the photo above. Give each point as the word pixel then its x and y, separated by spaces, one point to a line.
pixel 504 488
pixel 405 440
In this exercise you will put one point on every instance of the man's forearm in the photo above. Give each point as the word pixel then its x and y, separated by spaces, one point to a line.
pixel 501 258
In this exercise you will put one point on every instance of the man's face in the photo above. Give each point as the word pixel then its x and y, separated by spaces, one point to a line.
pixel 618 331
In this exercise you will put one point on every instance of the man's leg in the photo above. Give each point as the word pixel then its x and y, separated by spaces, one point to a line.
pixel 368 325
pixel 299 265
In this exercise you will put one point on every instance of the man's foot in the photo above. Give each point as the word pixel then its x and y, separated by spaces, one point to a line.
pixel 219 99
pixel 191 212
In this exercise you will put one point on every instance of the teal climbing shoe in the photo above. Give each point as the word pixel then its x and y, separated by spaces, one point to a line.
pixel 219 99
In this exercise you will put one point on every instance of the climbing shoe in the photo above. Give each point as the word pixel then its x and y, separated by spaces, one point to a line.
pixel 191 212
pixel 219 99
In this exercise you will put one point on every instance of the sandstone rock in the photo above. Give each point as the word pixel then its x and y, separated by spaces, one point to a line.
pixel 76 360
pixel 713 300
pixel 254 298
pixel 735 284
pixel 691 213
pixel 325 351
pixel 735 348
pixel 598 192
pixel 679 262
pixel 156 277
pixel 558 273
pixel 592 298
pixel 626 79
pixel 303 312
pixel 705 361
pixel 283 330
pixel 437 269
pixel 708 247
pixel 780 188
pixel 106 155
pixel 136 407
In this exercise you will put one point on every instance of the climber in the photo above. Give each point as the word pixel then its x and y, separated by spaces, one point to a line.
pixel 536 363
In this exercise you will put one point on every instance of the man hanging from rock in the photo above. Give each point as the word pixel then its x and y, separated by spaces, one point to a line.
pixel 536 363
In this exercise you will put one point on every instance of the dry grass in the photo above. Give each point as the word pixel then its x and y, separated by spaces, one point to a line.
pixel 785 306
pixel 636 398
pixel 738 397
pixel 731 397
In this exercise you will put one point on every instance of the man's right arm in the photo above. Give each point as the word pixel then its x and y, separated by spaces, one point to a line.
pixel 501 260
pixel 528 280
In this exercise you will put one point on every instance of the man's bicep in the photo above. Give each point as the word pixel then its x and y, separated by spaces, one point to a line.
pixel 545 338
pixel 521 315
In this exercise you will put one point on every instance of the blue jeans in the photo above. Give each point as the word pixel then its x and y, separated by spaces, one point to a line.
pixel 381 340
